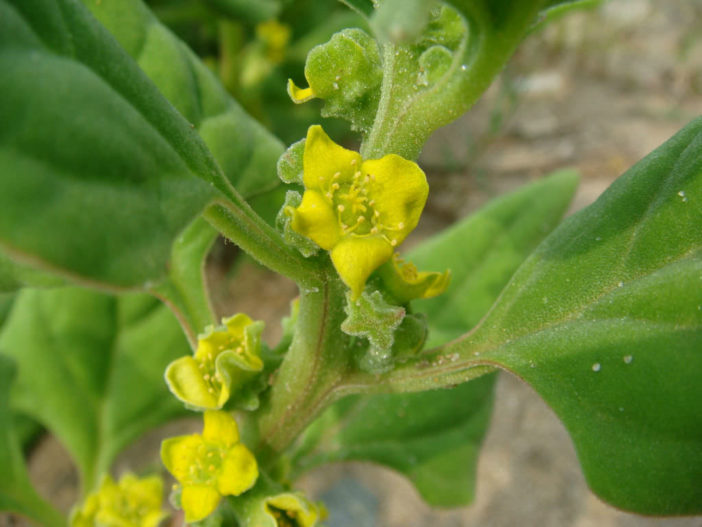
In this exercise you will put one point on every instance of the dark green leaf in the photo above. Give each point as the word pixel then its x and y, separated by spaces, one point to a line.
pixel 245 150
pixel 91 368
pixel 16 492
pixel 98 172
pixel 604 320
pixel 14 276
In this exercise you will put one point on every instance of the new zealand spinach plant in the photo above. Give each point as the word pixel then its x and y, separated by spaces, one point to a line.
pixel 123 156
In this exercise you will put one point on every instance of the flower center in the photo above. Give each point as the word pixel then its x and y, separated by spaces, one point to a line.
pixel 207 363
pixel 206 465
pixel 354 207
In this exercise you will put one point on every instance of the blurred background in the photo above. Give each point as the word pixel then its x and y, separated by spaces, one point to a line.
pixel 595 90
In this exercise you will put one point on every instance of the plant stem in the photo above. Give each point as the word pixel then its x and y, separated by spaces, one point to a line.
pixel 316 363
pixel 238 222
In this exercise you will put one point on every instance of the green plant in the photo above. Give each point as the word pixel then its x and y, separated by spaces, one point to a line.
pixel 122 157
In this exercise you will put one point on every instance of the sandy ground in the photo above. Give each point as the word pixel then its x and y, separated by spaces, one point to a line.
pixel 596 91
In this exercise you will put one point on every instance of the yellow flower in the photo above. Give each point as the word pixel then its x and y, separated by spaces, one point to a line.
pixel 226 358
pixel 405 283
pixel 275 36
pixel 210 465
pixel 292 509
pixel 132 502
pixel 358 210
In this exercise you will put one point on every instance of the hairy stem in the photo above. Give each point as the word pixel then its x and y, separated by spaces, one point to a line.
pixel 238 222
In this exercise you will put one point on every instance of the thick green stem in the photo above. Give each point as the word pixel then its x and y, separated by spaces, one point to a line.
pixel 239 223
pixel 316 363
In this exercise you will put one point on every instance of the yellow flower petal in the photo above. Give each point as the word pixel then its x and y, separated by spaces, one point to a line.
pixel 239 471
pixel 220 428
pixel 405 283
pixel 316 220
pixel 399 188
pixel 355 258
pixel 299 95
pixel 186 382
pixel 296 507
pixel 323 158
pixel 198 502
pixel 178 454
pixel 236 325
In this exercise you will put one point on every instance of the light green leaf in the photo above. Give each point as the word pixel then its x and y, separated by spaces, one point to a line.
pixel 90 369
pixel 245 150
pixel 16 491
pixel 604 320
pixel 485 249
pixel 110 172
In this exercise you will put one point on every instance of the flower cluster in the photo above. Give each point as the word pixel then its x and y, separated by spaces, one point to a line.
pixel 132 502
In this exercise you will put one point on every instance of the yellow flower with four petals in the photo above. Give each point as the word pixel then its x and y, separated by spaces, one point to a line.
pixel 210 465
pixel 358 210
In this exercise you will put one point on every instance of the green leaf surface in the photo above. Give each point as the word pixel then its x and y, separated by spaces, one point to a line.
pixel 111 173
pixel 14 276
pixel 16 491
pixel 604 320
pixel 434 437
pixel 245 150
pixel 90 369
pixel 485 249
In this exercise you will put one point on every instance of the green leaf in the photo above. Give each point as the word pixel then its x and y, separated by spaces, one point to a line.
pixel 604 320
pixel 245 150
pixel 14 276
pixel 91 369
pixel 431 437
pixel 485 249
pixel 16 491
pixel 110 172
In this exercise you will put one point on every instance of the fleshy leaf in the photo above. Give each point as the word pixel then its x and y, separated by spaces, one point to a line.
pixel 111 173
pixel 79 355
pixel 604 320
pixel 244 149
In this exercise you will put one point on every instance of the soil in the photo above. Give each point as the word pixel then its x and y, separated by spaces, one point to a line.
pixel 596 90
